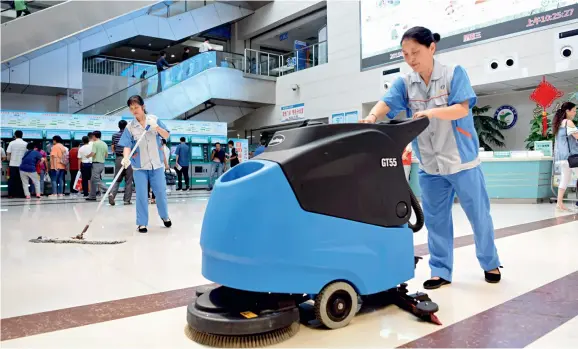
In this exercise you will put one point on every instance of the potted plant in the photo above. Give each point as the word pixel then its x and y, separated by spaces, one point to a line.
pixel 488 128
pixel 536 128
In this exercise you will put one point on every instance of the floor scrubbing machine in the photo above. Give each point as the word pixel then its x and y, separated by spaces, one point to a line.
pixel 322 216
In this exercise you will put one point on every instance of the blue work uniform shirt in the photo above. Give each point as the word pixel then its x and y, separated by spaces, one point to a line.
pixel 150 150
pixel 184 152
pixel 445 147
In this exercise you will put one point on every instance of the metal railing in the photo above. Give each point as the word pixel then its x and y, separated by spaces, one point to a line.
pixel 149 86
pixel 274 65
pixel 117 67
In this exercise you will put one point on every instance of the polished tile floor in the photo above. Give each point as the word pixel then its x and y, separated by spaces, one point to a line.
pixel 134 294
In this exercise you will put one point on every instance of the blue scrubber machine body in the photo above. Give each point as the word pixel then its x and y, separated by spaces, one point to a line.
pixel 324 212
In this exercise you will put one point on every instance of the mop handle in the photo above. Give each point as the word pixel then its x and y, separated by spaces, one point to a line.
pixel 105 196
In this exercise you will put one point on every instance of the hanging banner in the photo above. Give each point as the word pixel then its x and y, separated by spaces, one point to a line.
pixel 293 112
pixel 350 117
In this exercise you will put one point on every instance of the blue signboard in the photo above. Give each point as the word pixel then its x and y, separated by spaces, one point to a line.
pixel 284 36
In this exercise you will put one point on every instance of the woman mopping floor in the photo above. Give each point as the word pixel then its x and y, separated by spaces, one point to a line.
pixel 147 161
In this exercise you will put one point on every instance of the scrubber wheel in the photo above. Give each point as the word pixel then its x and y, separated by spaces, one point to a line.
pixel 336 305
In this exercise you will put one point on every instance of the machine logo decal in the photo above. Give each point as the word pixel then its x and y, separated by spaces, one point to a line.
pixel 276 140
pixel 388 162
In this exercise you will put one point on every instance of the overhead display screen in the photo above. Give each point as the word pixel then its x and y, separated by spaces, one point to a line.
pixel 459 22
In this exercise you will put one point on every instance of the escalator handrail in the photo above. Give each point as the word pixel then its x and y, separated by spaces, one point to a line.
pixel 151 76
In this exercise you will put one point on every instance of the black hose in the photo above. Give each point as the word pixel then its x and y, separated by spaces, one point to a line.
pixel 418 213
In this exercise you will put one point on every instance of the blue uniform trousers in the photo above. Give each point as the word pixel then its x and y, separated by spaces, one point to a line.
pixel 437 200
pixel 159 188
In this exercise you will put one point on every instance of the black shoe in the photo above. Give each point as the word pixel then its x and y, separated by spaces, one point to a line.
pixel 142 229
pixel 187 188
pixel 432 284
pixel 128 203
pixel 89 199
pixel 167 222
pixel 111 200
pixel 493 278
pixel 179 189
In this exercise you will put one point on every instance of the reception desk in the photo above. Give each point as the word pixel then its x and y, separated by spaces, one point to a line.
pixel 517 176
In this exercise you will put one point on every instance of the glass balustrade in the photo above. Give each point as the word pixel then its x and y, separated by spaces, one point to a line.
pixel 158 82
pixel 273 65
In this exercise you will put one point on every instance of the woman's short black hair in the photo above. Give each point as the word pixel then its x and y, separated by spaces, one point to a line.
pixel 30 146
pixel 231 142
pixel 57 138
pixel 85 139
pixel 136 99
pixel 421 35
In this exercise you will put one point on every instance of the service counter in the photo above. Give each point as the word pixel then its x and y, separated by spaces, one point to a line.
pixel 523 176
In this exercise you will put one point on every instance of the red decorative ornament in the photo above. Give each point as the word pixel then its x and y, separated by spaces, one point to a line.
pixel 544 95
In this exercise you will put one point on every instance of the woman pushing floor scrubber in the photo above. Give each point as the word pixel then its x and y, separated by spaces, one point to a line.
pixel 447 151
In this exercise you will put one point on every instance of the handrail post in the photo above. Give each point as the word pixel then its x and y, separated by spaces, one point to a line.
pixel 268 58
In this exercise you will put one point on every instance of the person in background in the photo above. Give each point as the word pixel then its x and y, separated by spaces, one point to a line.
pixel 148 160
pixel 167 153
pixel 98 155
pixel 126 173
pixel 15 152
pixel 205 46
pixel 28 170
pixel 449 159
pixel 57 166
pixel 218 158
pixel 85 164
pixel 91 139
pixel 186 54
pixel 144 84
pixel 21 8
pixel 2 152
pixel 261 148
pixel 183 155
pixel 566 145
pixel 162 64
pixel 406 160
pixel 233 157
pixel 73 166
pixel 42 166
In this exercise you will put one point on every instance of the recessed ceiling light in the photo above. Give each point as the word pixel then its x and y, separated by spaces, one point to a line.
pixel 172 56
pixel 168 46
pixel 132 50
pixel 150 44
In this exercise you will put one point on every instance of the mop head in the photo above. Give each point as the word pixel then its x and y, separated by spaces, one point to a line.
pixel 46 240
pixel 252 341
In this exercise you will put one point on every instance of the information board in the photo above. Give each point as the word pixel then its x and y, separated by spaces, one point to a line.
pixel 14 120
pixel 459 22
pixel 242 147
pixel 544 146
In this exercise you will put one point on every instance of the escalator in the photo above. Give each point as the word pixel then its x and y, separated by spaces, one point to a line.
pixel 206 77
pixel 26 34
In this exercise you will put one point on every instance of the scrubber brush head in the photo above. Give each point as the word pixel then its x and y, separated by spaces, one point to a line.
pixel 250 341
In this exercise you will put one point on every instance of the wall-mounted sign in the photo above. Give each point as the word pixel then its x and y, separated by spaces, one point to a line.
pixel 293 112
pixel 350 117
pixel 508 115
pixel 284 36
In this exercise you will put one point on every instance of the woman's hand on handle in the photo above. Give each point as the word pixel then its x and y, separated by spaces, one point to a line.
pixel 378 112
